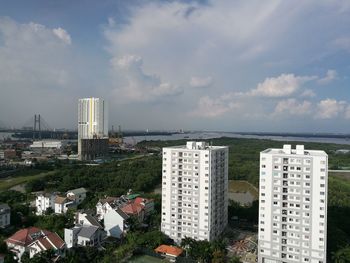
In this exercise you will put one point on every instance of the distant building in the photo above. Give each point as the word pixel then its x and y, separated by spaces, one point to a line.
pixel 11 154
pixel 5 215
pixel 92 128
pixel 194 191
pixel 46 144
pixel 293 205
pixel 35 240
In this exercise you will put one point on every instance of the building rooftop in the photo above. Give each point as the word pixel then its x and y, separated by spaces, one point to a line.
pixel 192 145
pixel 27 236
pixel 61 200
pixel 169 250
pixel 78 191
pixel 87 231
pixel 299 150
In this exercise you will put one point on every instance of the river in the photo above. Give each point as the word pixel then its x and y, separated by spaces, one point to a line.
pixel 212 135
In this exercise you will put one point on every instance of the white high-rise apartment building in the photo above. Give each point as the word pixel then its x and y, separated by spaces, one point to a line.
pixel 92 128
pixel 92 118
pixel 293 205
pixel 194 191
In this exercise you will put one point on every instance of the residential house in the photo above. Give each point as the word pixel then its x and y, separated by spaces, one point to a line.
pixel 35 240
pixel 78 195
pixel 107 204
pixel 62 204
pixel 59 204
pixel 83 236
pixel 45 201
pixel 115 223
pixel 169 252
pixel 5 215
pixel 139 208
pixel 86 232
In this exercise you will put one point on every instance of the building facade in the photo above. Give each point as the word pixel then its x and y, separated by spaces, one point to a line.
pixel 293 205
pixel 5 215
pixel 45 201
pixel 92 128
pixel 194 191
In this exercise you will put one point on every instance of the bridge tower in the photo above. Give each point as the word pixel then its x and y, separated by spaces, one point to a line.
pixel 37 126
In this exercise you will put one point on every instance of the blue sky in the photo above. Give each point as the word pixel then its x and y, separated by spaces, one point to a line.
pixel 213 65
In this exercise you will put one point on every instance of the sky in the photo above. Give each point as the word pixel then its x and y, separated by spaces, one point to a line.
pixel 223 65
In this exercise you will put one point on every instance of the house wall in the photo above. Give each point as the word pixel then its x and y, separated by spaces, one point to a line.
pixel 114 224
pixel 5 219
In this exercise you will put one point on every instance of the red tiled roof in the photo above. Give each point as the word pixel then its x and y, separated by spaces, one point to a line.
pixel 169 250
pixel 55 240
pixel 139 200
pixel 132 209
pixel 24 237
pixel 46 239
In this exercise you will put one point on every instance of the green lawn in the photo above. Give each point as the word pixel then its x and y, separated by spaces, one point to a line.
pixel 146 259
pixel 9 182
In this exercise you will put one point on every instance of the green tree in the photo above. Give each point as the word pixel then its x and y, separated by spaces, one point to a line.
pixel 342 255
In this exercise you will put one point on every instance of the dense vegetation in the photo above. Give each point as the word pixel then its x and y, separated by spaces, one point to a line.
pixel 244 154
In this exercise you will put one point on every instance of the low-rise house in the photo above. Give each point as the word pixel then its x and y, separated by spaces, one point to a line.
pixel 5 215
pixel 35 240
pixel 139 208
pixel 78 195
pixel 83 236
pixel 86 232
pixel 115 223
pixel 104 205
pixel 45 201
pixel 132 205
pixel 82 218
pixel 62 204
pixel 169 252
pixel 59 204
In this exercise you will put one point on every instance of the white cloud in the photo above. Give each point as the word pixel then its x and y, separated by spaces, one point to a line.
pixel 347 112
pixel 212 108
pixel 342 43
pixel 293 107
pixel 36 74
pixel 136 85
pixel 201 82
pixel 281 86
pixel 330 108
pixel 63 35
pixel 330 76
pixel 308 93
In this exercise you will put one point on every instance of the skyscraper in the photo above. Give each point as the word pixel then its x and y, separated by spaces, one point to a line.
pixel 92 128
pixel 194 191
pixel 293 205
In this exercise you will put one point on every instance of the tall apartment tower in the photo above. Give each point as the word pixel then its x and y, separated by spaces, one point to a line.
pixel 293 205
pixel 194 191
pixel 92 128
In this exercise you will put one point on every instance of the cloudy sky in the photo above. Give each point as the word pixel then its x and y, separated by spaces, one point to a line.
pixel 231 65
